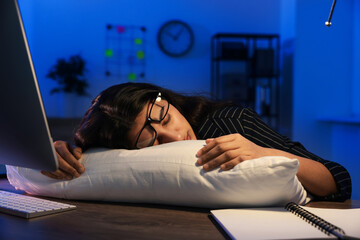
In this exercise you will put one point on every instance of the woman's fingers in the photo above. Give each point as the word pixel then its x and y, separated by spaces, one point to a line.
pixel 59 173
pixel 68 158
pixel 212 153
pixel 226 161
pixel 231 164
pixel 227 151
pixel 216 147
pixel 65 170
pixel 69 165
pixel 77 152
pixel 213 142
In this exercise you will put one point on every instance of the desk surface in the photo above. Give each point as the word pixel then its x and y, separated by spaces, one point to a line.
pixel 93 220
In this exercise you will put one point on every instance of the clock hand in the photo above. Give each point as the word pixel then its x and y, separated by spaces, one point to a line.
pixel 171 35
pixel 178 34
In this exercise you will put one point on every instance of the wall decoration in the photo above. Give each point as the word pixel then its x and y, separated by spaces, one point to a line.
pixel 175 38
pixel 125 52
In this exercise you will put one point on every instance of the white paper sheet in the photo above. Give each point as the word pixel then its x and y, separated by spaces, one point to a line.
pixel 278 223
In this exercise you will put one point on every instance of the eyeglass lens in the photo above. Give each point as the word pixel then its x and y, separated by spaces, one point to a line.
pixel 158 111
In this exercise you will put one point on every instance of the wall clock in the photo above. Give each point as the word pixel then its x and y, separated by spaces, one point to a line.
pixel 175 38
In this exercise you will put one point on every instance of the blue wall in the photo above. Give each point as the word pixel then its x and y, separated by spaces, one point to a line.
pixel 320 76
pixel 323 67
pixel 326 82
pixel 63 28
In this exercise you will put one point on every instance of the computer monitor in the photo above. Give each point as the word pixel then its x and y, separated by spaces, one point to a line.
pixel 25 139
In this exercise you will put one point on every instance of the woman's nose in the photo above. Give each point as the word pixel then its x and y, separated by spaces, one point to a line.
pixel 167 136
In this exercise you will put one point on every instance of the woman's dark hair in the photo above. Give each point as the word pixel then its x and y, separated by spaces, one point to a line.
pixel 112 113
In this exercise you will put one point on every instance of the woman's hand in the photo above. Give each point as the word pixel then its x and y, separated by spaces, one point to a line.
pixel 68 158
pixel 228 151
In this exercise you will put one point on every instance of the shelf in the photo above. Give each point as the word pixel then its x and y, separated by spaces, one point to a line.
pixel 340 119
pixel 245 35
pixel 245 69
pixel 218 59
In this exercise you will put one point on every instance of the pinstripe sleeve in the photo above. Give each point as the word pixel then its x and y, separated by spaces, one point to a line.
pixel 246 122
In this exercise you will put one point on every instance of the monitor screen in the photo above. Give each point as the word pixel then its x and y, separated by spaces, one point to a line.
pixel 24 133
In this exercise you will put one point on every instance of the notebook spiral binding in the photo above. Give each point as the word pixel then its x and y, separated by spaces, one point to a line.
pixel 314 220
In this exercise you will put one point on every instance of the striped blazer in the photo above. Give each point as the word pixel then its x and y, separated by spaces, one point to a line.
pixel 246 122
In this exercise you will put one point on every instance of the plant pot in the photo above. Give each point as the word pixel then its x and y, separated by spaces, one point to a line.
pixel 71 105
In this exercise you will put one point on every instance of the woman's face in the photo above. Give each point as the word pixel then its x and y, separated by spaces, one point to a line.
pixel 174 127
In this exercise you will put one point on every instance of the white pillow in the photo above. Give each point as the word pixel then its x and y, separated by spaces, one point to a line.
pixel 168 174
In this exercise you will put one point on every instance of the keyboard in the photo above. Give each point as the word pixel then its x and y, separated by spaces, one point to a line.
pixel 29 207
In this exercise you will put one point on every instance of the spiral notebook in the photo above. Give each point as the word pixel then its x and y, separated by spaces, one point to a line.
pixel 291 222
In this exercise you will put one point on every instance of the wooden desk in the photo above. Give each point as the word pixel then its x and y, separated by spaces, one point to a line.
pixel 94 220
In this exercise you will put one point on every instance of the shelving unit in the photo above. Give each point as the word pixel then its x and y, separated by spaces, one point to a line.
pixel 245 69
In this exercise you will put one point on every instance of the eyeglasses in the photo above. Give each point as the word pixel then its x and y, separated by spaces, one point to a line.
pixel 158 110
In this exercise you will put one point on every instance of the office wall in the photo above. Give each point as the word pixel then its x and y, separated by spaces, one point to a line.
pixel 323 69
pixel 287 37
pixel 326 82
pixel 62 28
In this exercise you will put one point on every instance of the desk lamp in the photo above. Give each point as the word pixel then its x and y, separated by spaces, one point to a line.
pixel 328 22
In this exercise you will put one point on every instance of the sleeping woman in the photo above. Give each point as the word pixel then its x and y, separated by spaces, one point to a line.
pixel 139 115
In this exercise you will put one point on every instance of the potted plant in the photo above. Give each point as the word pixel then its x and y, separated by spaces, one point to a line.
pixel 72 84
pixel 70 76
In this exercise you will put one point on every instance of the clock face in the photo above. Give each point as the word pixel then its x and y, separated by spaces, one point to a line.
pixel 175 38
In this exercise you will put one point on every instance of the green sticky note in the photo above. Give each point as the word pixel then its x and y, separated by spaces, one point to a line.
pixel 132 76
pixel 138 41
pixel 109 53
pixel 140 54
